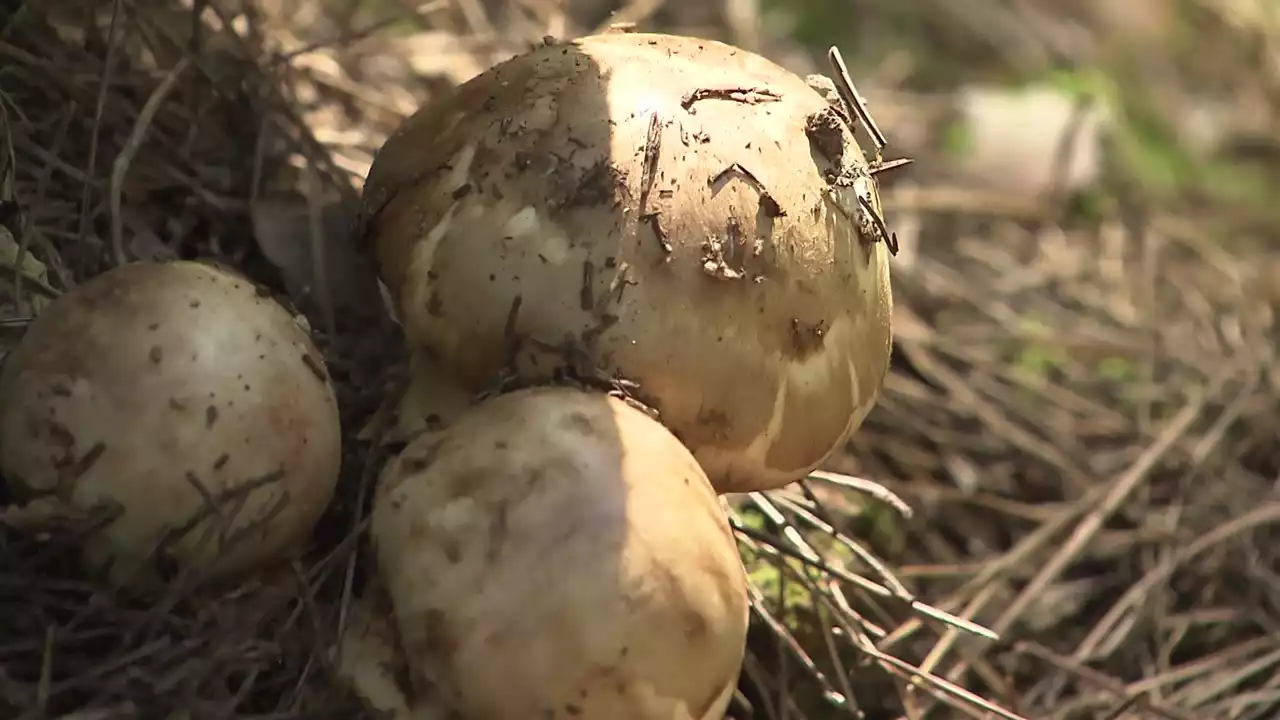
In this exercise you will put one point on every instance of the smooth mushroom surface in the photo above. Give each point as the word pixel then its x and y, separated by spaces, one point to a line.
pixel 558 554
pixel 674 212
pixel 189 407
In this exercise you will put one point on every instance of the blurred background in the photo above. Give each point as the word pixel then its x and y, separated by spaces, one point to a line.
pixel 1084 413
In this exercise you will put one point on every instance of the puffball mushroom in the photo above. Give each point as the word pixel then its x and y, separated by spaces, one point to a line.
pixel 556 553
pixel 179 397
pixel 675 212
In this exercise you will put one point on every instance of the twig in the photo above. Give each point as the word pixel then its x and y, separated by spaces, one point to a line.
pixel 137 137
pixel 359 519
pixel 104 84
pixel 870 585
pixel 854 102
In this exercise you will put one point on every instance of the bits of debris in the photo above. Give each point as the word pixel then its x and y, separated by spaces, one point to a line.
pixel 744 95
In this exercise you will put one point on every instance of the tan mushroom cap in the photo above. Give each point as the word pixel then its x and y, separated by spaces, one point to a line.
pixel 558 554
pixel 650 207
pixel 155 384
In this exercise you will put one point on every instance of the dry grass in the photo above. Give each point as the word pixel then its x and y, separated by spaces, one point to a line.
pixel 1094 444
pixel 1082 416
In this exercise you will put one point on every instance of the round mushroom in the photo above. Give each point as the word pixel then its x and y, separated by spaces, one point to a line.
pixel 558 554
pixel 187 405
pixel 672 212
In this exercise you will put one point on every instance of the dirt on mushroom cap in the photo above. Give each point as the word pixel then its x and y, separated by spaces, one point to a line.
pixel 557 553
pixel 182 400
pixel 651 207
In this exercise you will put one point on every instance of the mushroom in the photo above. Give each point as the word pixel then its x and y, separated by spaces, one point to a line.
pixel 182 402
pixel 370 662
pixel 557 553
pixel 675 214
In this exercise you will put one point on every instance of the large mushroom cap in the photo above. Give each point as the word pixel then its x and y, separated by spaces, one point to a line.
pixel 651 207
pixel 558 554
pixel 178 396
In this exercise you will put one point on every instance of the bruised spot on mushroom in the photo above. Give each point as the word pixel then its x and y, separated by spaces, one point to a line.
pixel 714 420
pixel 580 423
pixel 806 338
pixel 696 626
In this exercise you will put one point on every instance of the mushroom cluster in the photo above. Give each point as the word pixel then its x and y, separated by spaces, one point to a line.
pixel 656 268
pixel 180 407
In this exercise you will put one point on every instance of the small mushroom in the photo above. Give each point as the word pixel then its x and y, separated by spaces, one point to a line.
pixel 186 407
pixel 558 554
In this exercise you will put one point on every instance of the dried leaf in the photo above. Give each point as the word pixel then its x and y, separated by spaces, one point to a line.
pixel 30 267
